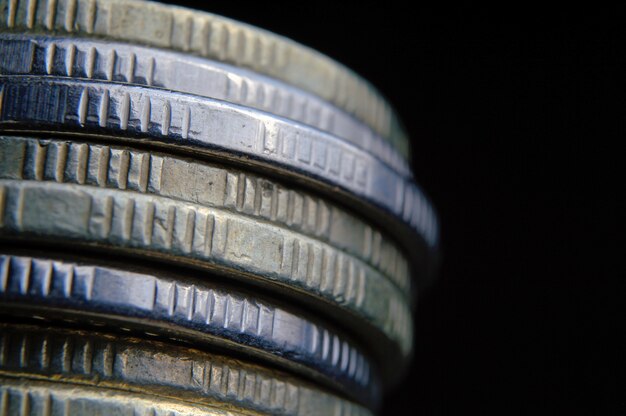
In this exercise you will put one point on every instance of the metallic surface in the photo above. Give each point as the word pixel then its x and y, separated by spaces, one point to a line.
pixel 208 185
pixel 170 371
pixel 207 238
pixel 25 397
pixel 214 37
pixel 116 62
pixel 191 186
pixel 197 311
pixel 208 126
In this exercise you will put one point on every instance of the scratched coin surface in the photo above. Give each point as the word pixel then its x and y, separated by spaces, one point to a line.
pixel 235 133
pixel 137 365
pixel 117 62
pixel 214 37
pixel 23 396
pixel 194 310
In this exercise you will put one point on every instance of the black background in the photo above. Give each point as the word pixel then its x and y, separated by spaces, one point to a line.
pixel 511 113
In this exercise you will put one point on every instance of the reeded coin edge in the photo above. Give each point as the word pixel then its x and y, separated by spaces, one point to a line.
pixel 26 396
pixel 180 179
pixel 214 37
pixel 152 367
pixel 32 55
pixel 204 313
pixel 210 126
pixel 207 238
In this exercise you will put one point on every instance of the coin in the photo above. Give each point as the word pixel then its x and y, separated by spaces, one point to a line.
pixel 116 62
pixel 19 396
pixel 214 37
pixel 193 185
pixel 244 249
pixel 207 185
pixel 137 365
pixel 234 133
pixel 197 311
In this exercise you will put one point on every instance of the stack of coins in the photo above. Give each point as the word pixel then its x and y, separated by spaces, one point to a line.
pixel 197 217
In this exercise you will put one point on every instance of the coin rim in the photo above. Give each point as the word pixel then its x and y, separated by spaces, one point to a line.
pixel 128 347
pixel 216 37
pixel 368 184
pixel 59 161
pixel 96 60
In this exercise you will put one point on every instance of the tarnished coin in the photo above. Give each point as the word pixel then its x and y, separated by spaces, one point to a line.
pixel 21 396
pixel 245 136
pixel 136 365
pixel 194 310
pixel 213 37
pixel 117 62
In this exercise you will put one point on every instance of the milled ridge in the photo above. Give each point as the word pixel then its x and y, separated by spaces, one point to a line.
pixel 191 233
pixel 208 125
pixel 213 37
pixel 94 359
pixel 204 184
pixel 114 62
pixel 26 397
pixel 197 308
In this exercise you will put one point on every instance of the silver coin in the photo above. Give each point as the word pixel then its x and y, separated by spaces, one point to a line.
pixel 169 371
pixel 206 185
pixel 225 189
pixel 116 62
pixel 196 311
pixel 235 133
pixel 214 37
pixel 19 396
pixel 242 248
